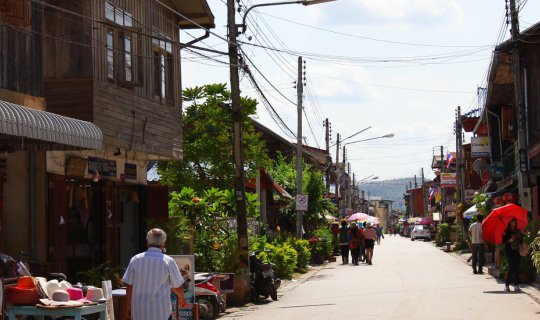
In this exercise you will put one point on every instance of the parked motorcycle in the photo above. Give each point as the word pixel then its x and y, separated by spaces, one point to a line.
pixel 264 282
pixel 208 296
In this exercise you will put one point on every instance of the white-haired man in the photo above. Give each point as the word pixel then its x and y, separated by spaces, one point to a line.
pixel 150 277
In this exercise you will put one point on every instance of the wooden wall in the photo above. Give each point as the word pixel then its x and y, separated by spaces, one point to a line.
pixel 76 82
pixel 21 48
pixel 133 123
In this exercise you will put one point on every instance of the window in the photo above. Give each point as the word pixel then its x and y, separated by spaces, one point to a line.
pixel 163 68
pixel 120 47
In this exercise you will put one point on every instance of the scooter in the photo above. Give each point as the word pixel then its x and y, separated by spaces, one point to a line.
pixel 208 296
pixel 264 282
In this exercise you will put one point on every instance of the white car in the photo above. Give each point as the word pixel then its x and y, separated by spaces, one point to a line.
pixel 421 231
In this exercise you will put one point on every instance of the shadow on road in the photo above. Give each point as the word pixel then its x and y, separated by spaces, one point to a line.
pixel 503 292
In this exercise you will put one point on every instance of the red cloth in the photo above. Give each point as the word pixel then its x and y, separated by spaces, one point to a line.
pixel 356 239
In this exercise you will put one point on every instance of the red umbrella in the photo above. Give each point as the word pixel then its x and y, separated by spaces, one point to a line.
pixel 495 223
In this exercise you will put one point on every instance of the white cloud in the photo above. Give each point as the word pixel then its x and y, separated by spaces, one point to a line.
pixel 358 87
pixel 398 12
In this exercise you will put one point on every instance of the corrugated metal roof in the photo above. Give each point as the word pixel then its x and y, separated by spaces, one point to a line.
pixel 17 120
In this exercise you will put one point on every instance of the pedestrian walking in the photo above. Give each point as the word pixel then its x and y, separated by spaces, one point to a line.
pixel 362 252
pixel 512 238
pixel 150 277
pixel 370 235
pixel 477 247
pixel 379 232
pixel 356 240
pixel 343 235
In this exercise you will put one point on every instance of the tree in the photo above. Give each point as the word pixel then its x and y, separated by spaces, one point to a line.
pixel 207 143
pixel 284 172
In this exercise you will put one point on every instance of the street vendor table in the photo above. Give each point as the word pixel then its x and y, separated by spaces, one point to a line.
pixel 76 312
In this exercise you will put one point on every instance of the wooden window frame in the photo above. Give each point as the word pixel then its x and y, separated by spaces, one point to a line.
pixel 123 29
pixel 163 61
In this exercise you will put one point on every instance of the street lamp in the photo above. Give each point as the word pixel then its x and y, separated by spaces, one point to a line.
pixel 389 135
pixel 370 177
pixel 302 2
pixel 352 135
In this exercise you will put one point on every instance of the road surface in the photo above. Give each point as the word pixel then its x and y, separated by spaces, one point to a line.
pixel 408 280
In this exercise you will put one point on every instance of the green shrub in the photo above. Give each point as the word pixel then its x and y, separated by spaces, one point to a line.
pixel 460 241
pixel 325 243
pixel 443 234
pixel 283 256
pixel 304 253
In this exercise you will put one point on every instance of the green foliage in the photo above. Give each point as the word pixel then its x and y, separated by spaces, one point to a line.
pixel 324 245
pixel 535 252
pixel 443 234
pixel 302 248
pixel 207 142
pixel 178 233
pixel 283 256
pixel 284 172
pixel 206 217
pixel 483 203
pixel 460 241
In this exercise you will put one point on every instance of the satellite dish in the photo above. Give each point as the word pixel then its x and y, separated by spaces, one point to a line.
pixel 480 165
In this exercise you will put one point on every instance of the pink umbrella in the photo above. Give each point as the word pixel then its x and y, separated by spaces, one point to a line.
pixel 373 220
pixel 359 216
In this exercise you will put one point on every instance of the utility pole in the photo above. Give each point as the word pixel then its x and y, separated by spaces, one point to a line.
pixel 337 174
pixel 349 189
pixel 328 159
pixel 442 190
pixel 459 171
pixel 299 92
pixel 523 177
pixel 239 182
pixel 424 195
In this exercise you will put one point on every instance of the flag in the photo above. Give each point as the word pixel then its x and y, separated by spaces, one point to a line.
pixel 430 193
pixel 449 158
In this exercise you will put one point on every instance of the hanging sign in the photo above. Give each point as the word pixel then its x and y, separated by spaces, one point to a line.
pixel 448 179
pixel 105 167
pixel 130 171
pixel 480 147
pixel 301 202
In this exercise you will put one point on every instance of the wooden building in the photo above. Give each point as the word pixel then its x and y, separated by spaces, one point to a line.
pixel 115 64
pixel 499 119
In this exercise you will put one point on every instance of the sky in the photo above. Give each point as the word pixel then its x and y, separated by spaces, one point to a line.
pixel 397 66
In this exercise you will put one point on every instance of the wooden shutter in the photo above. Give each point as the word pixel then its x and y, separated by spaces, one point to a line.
pixel 15 12
pixel 57 221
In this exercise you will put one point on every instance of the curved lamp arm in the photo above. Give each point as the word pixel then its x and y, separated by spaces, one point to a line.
pixel 303 2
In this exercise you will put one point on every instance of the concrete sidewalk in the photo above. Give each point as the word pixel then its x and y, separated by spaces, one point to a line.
pixel 531 289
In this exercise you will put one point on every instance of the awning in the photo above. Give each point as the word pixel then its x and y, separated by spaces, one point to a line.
pixel 18 121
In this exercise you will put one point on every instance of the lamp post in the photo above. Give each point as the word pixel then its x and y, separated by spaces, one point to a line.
pixel 389 135
pixel 238 160
pixel 370 177
pixel 302 2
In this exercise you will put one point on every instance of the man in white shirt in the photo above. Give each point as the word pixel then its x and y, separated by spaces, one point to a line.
pixel 475 231
pixel 150 277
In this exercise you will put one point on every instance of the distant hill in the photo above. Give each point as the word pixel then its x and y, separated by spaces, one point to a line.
pixel 392 189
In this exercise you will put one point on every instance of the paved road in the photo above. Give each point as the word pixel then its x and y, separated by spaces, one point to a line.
pixel 408 280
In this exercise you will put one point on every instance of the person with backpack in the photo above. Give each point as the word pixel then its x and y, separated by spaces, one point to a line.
pixel 343 235
pixel 355 243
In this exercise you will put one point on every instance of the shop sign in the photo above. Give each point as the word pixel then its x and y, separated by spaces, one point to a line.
pixel 105 167
pixel 480 147
pixel 469 194
pixel 130 171
pixel 448 179
pixel 186 264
